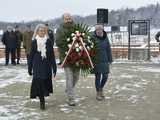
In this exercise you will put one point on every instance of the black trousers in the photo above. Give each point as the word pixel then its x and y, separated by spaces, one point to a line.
pixel 11 51
pixel 18 53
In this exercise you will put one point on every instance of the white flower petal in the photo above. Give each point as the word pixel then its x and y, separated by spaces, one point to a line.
pixel 69 45
pixel 68 39
pixel 88 48
pixel 92 46
pixel 72 34
pixel 77 49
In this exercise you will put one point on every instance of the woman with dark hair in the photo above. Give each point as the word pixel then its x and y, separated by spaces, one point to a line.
pixel 41 63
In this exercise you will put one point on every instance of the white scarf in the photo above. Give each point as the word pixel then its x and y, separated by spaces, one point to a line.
pixel 41 45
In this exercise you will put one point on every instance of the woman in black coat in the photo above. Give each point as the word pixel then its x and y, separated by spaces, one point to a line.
pixel 41 64
pixel 103 59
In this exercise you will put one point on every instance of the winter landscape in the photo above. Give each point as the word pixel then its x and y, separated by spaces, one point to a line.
pixel 132 91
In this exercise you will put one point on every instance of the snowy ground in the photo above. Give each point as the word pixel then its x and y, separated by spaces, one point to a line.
pixel 132 93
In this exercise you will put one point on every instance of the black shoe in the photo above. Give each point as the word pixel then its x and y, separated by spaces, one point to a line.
pixel 13 63
pixel 18 62
pixel 42 105
pixel 6 64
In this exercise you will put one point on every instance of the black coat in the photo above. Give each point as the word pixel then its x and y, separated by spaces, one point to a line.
pixel 19 38
pixel 42 69
pixel 103 54
pixel 9 39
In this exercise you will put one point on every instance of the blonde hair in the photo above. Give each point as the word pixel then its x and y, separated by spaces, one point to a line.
pixel 36 30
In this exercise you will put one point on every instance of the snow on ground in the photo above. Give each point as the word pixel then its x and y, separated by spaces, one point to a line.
pixel 132 93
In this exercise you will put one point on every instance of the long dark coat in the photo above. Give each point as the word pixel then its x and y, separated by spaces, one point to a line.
pixel 42 70
pixel 103 54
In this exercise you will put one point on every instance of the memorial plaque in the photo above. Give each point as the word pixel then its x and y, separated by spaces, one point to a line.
pixel 138 28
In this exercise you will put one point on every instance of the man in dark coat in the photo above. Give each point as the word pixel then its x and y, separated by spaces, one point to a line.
pixel 19 40
pixel 9 39
pixel 50 34
pixel 103 59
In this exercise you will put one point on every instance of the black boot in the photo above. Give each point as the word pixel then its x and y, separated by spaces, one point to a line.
pixel 13 63
pixel 18 62
pixel 42 103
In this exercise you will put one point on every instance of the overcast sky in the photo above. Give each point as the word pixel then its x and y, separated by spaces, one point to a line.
pixel 19 10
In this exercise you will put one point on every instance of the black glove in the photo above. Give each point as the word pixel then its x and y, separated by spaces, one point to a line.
pixel 54 71
pixel 30 72
pixel 54 74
